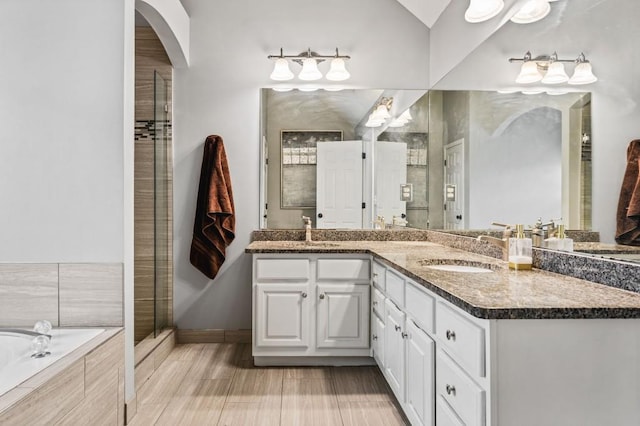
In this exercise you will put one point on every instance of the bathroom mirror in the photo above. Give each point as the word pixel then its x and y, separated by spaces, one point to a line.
pixel 532 150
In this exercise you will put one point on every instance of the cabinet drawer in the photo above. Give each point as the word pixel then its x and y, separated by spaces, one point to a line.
pixel 282 269
pixel 378 277
pixel 465 398
pixel 445 415
pixel 343 269
pixel 420 306
pixel 463 339
pixel 395 287
pixel 378 302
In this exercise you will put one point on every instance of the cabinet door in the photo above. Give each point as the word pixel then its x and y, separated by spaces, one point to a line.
pixel 420 376
pixel 282 315
pixel 377 340
pixel 394 349
pixel 342 316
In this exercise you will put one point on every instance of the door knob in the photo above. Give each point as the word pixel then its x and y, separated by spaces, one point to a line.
pixel 320 215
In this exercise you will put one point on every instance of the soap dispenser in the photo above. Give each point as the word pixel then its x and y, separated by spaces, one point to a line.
pixel 520 250
pixel 564 243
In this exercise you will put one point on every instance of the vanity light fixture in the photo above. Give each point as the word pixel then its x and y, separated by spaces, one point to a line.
pixel 309 61
pixel 531 11
pixel 380 112
pixel 483 10
pixel 401 120
pixel 549 69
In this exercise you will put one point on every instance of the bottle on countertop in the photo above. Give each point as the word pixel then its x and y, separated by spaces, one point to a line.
pixel 520 250
pixel 560 242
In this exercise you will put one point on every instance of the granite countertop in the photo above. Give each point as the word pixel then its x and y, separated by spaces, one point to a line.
pixel 604 248
pixel 501 294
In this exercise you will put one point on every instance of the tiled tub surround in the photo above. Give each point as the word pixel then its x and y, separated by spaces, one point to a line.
pixel 86 385
pixel 502 294
pixel 613 273
pixel 66 294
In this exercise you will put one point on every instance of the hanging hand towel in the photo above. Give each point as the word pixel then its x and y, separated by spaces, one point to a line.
pixel 628 227
pixel 214 227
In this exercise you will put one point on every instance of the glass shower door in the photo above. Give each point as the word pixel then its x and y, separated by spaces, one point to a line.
pixel 162 221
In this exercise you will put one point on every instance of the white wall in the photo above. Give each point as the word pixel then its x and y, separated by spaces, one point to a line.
pixel 61 147
pixel 603 30
pixel 219 93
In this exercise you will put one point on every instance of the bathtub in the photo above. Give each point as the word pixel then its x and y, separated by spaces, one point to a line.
pixel 16 363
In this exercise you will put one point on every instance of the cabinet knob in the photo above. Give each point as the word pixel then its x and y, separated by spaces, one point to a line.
pixel 451 390
pixel 321 295
pixel 375 274
pixel 398 328
pixel 375 303
pixel 404 335
pixel 304 295
pixel 374 337
pixel 451 335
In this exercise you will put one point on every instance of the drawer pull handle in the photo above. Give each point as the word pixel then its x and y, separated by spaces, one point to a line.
pixel 404 335
pixel 398 328
pixel 374 337
pixel 321 295
pixel 451 390
pixel 451 335
pixel 375 274
pixel 304 295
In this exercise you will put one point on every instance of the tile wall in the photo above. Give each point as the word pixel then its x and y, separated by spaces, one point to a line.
pixel 66 294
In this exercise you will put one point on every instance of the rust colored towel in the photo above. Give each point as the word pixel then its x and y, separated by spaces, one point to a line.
pixel 628 229
pixel 214 227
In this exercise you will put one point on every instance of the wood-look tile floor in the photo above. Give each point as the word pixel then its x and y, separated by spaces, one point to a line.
pixel 217 384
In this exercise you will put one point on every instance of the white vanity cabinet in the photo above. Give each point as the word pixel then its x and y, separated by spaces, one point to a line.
pixel 311 309
pixel 406 353
pixel 448 367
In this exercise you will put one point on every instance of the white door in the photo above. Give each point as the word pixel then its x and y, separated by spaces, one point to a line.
pixel 282 315
pixel 390 173
pixel 394 349
pixel 454 195
pixel 342 316
pixel 339 184
pixel 420 376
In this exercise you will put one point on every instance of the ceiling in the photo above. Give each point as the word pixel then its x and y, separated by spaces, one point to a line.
pixel 427 11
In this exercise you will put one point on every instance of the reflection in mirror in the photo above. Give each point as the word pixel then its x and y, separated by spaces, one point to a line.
pixel 322 161
pixel 510 158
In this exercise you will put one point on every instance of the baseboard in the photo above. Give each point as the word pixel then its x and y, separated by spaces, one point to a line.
pixel 317 361
pixel 213 336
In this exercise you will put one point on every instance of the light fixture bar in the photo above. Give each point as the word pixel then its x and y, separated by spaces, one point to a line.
pixel 308 54
pixel 552 66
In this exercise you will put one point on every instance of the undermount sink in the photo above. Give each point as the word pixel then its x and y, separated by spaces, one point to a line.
pixel 459 265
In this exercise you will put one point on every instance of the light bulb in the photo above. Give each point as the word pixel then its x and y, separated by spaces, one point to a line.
pixel 483 10
pixel 529 73
pixel 310 71
pixel 583 74
pixel 338 71
pixel 281 71
pixel 555 74
pixel 532 11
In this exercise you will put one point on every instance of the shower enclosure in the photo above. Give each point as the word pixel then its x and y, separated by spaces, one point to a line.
pixel 153 205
